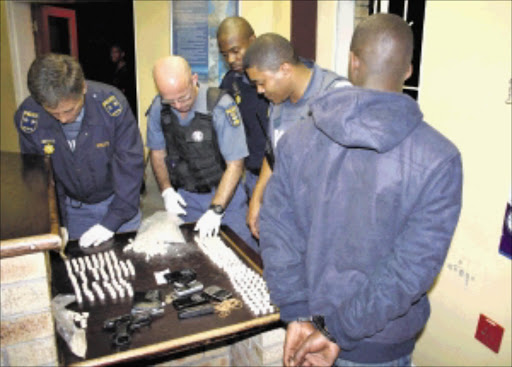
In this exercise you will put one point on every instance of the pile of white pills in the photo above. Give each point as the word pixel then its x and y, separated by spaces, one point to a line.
pixel 249 284
pixel 99 274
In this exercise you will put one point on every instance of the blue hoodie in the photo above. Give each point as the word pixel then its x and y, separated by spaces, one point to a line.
pixel 357 219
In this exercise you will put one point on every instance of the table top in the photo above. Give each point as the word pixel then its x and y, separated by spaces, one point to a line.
pixel 166 334
pixel 29 217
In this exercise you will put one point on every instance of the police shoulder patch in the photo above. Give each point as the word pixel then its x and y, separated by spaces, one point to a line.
pixel 29 120
pixel 233 115
pixel 112 106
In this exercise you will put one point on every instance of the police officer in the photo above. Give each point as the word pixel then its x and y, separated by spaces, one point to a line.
pixel 197 144
pixel 289 83
pixel 234 36
pixel 91 135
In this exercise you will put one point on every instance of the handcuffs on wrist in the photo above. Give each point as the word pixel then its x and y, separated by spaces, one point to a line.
pixel 318 322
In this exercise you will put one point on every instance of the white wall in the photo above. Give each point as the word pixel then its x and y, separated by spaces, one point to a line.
pixel 22 45
pixel 466 68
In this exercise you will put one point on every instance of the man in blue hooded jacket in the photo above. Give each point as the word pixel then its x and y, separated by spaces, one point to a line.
pixel 359 213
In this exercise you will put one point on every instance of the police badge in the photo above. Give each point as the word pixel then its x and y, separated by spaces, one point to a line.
pixel 28 123
pixel 197 136
pixel 112 106
pixel 48 146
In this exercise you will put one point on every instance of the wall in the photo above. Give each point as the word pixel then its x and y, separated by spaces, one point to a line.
pixel 152 41
pixel 268 16
pixel 466 69
pixel 326 37
pixel 8 136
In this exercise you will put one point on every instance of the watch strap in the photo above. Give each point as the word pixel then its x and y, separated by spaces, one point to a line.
pixel 217 208
pixel 303 319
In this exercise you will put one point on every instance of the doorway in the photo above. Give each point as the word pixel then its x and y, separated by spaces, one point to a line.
pixel 99 26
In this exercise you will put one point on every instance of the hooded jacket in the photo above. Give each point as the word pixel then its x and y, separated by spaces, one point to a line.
pixel 357 219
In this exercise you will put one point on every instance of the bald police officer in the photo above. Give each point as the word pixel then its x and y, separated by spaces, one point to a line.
pixel 197 143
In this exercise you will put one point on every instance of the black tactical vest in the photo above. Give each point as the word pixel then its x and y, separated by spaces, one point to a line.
pixel 193 157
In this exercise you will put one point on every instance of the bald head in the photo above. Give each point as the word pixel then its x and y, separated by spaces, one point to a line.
pixel 175 82
pixel 235 26
pixel 383 43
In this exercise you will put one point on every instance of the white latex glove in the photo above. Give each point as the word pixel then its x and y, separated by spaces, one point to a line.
pixel 95 236
pixel 209 223
pixel 174 202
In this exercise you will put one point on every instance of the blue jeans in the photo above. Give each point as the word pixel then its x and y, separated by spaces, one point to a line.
pixel 82 216
pixel 404 361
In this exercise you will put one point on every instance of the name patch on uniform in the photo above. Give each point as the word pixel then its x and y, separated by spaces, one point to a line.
pixel 28 123
pixel 112 106
pixel 233 115
pixel 103 144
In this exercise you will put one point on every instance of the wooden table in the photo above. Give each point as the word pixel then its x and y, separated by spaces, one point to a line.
pixel 167 334
pixel 29 216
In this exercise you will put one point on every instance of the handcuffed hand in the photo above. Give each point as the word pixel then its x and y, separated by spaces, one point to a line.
pixel 95 236
pixel 296 335
pixel 209 223
pixel 316 351
pixel 173 202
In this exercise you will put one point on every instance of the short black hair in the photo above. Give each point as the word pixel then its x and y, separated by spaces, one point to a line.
pixel 379 29
pixel 53 78
pixel 235 24
pixel 269 51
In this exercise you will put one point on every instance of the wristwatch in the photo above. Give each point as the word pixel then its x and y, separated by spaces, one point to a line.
pixel 217 209
pixel 319 324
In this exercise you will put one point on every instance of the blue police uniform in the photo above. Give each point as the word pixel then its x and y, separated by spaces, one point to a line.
pixel 232 146
pixel 254 110
pixel 98 167
pixel 287 114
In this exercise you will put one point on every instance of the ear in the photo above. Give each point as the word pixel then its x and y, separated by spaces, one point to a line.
pixel 195 78
pixel 84 89
pixel 252 38
pixel 408 73
pixel 354 62
pixel 286 69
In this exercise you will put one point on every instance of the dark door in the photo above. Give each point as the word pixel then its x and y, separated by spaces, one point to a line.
pixel 55 30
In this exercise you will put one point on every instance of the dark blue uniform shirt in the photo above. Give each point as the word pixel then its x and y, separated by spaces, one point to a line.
pixel 108 158
pixel 251 106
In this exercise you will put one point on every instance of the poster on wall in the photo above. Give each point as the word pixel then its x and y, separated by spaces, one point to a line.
pixel 506 235
pixel 194 35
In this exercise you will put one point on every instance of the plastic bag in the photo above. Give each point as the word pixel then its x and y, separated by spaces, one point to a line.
pixel 74 336
pixel 158 235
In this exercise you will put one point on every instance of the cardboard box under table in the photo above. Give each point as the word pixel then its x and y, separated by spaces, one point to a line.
pixel 166 334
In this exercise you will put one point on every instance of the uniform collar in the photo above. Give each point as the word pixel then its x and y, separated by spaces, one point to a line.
pixel 89 105
pixel 81 115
